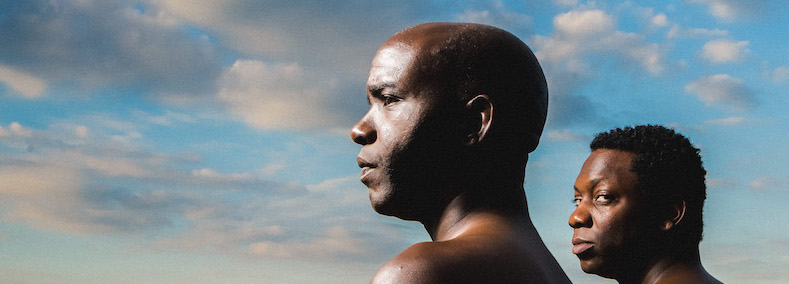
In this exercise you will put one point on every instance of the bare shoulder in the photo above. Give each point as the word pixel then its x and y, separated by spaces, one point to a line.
pixel 416 264
pixel 470 260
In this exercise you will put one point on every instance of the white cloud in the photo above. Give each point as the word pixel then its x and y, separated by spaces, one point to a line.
pixel 336 241
pixel 584 24
pixel 678 31
pixel 724 51
pixel 272 169
pixel 280 97
pixel 104 44
pixel 581 39
pixel 730 10
pixel 333 220
pixel 167 119
pixel 763 182
pixel 780 75
pixel 720 182
pixel 330 39
pixel 77 178
pixel 729 121
pixel 579 34
pixel 659 20
pixel 722 89
pixel 565 135
pixel 19 130
pixel 81 131
pixel 75 182
pixel 28 85
pixel 566 3
pixel 333 183
pixel 720 9
pixel 499 16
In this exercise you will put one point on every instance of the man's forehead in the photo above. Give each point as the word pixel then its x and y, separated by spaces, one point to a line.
pixel 391 63
pixel 610 161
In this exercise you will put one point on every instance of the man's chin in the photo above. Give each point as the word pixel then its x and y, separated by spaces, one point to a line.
pixel 386 208
pixel 593 267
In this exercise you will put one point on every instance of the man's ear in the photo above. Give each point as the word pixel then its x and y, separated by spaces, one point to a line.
pixel 675 215
pixel 481 107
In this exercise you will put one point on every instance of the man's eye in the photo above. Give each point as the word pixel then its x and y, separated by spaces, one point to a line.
pixel 577 201
pixel 604 199
pixel 390 99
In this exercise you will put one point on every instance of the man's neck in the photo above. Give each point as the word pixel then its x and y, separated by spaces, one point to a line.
pixel 463 212
pixel 673 268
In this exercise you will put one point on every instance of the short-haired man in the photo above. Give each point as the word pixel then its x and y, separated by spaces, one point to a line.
pixel 639 200
pixel 455 109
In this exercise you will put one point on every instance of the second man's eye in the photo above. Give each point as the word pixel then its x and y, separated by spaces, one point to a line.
pixel 604 199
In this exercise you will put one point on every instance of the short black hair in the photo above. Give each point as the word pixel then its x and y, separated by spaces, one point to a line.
pixel 667 165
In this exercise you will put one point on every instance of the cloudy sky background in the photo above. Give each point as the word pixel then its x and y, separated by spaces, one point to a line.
pixel 207 141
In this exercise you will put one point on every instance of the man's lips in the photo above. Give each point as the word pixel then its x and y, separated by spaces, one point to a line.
pixel 366 167
pixel 365 172
pixel 580 246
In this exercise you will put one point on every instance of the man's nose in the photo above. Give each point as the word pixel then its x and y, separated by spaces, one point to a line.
pixel 363 133
pixel 580 217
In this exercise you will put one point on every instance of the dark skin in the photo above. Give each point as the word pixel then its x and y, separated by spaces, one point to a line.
pixel 612 236
pixel 422 160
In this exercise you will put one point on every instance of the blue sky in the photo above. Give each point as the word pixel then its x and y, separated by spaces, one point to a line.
pixel 208 142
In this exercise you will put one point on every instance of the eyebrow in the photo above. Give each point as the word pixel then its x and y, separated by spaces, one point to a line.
pixel 592 183
pixel 379 87
pixel 375 90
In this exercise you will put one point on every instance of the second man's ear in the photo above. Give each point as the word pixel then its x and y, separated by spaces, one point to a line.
pixel 481 107
pixel 677 212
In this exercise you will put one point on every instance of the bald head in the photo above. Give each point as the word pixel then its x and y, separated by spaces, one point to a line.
pixel 461 60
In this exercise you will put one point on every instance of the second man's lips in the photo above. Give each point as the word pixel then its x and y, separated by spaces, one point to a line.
pixel 581 245
pixel 579 241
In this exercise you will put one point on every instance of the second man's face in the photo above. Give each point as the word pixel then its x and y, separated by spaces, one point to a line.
pixel 407 137
pixel 606 223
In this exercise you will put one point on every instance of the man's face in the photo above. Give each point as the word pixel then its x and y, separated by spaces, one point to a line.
pixel 607 228
pixel 408 146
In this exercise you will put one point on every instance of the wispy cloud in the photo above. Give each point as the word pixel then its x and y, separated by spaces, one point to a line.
pixel 659 20
pixel 281 97
pixel 765 182
pixel 729 121
pixel 722 89
pixel 77 178
pixel 27 85
pixel 500 16
pixel 730 10
pixel 780 75
pixel 565 135
pixel 314 225
pixel 580 37
pixel 678 31
pixel 102 44
pixel 329 38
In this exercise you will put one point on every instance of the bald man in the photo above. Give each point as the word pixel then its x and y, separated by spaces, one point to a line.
pixel 455 109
